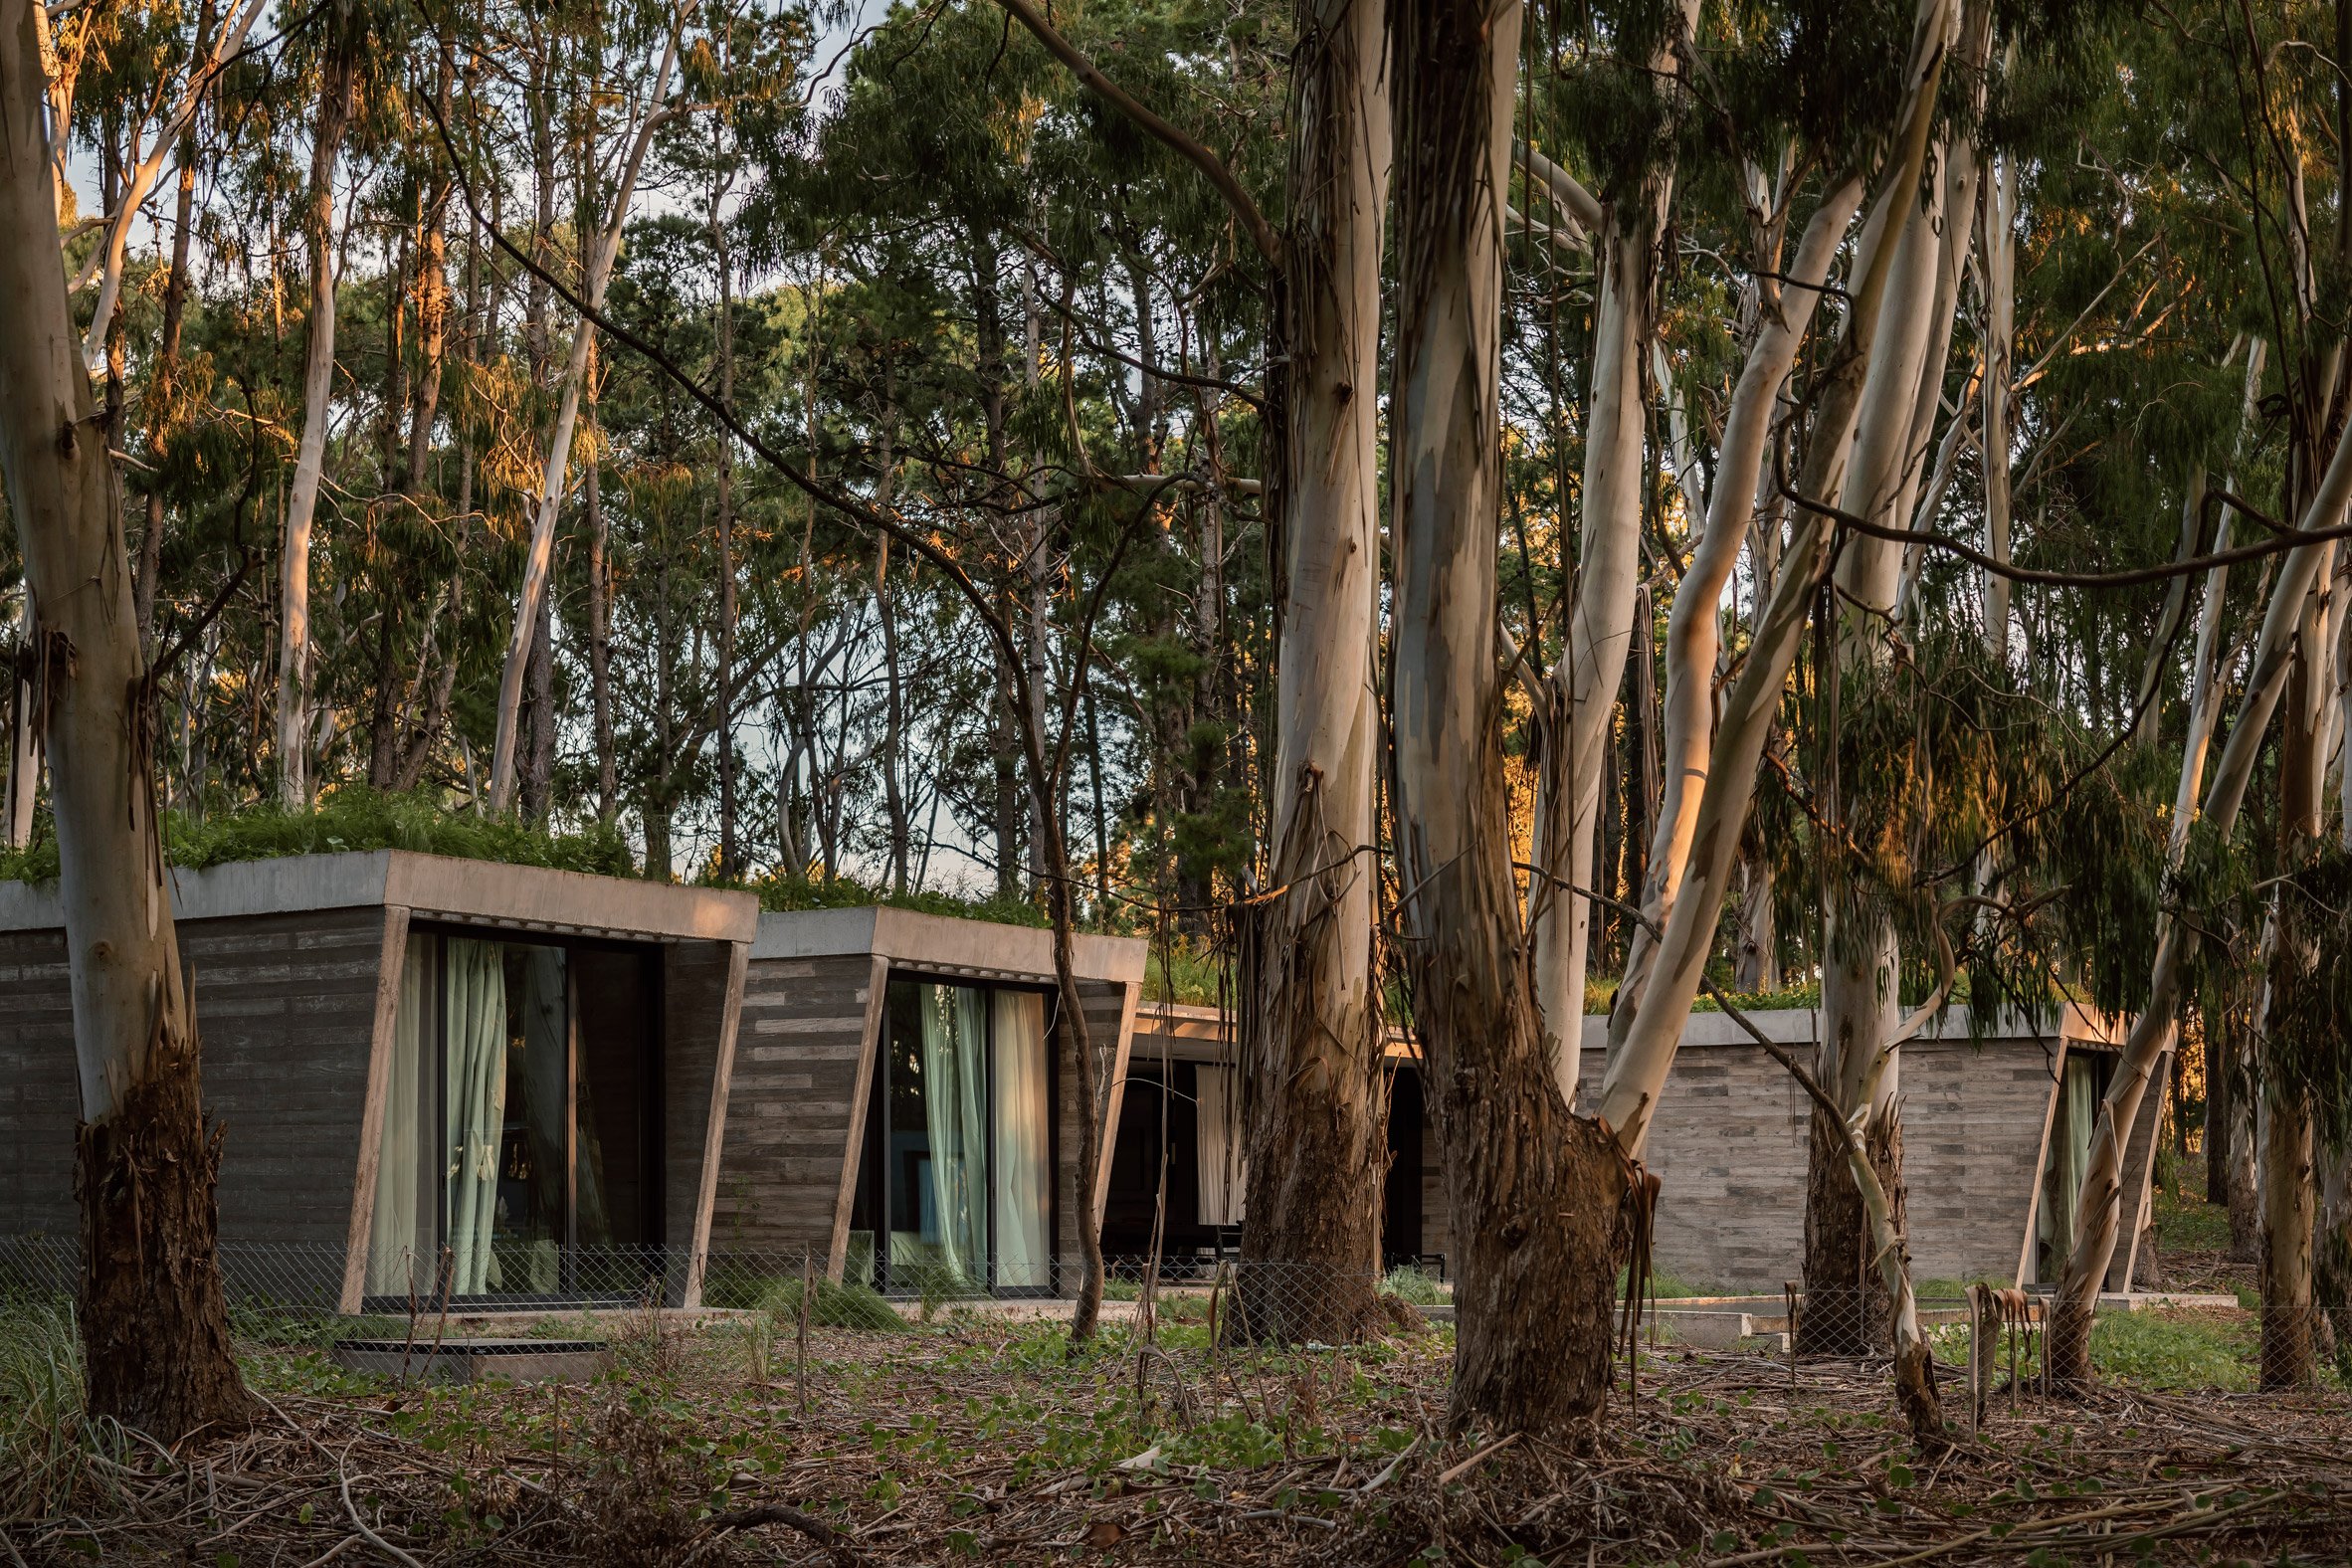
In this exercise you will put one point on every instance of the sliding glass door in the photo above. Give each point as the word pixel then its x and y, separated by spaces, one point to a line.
pixel 519 1121
pixel 957 1188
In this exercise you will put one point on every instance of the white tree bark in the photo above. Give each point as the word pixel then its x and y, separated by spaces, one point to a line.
pixel 139 179
pixel 1575 715
pixel 1958 190
pixel 301 497
pixel 1694 628
pixel 1642 1041
pixel 1312 1020
pixel 1859 1007
pixel 539 563
pixel 150 1310
pixel 1997 242
pixel 24 746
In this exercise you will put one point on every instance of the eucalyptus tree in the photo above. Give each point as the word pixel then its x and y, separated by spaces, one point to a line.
pixel 2256 133
pixel 651 106
pixel 1634 96
pixel 150 1306
pixel 1643 1037
pixel 344 69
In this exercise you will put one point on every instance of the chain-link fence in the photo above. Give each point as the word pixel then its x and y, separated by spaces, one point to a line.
pixel 1998 1343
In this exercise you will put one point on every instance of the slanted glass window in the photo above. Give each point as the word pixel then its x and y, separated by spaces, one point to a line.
pixel 516 1156
pixel 959 1173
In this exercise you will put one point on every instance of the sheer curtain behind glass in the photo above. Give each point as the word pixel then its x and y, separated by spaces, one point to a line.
pixel 1216 1145
pixel 955 1113
pixel 1023 1164
pixel 475 1078
pixel 2071 1153
pixel 396 1262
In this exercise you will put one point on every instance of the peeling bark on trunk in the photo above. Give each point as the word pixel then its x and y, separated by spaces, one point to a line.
pixel 1536 1192
pixel 1311 1024
pixel 153 1320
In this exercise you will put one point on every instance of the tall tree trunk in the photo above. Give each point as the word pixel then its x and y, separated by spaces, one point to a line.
pixel 301 502
pixel 433 298
pixel 600 622
pixel 1998 245
pixel 1310 1026
pixel 539 561
pixel 1575 708
pixel 535 790
pixel 1694 628
pixel 2289 1355
pixel 1535 1191
pixel 2099 1204
pixel 24 735
pixel 1849 1305
pixel 2217 1109
pixel 161 394
pixel 731 851
pixel 1644 1039
pixel 886 609
pixel 153 1321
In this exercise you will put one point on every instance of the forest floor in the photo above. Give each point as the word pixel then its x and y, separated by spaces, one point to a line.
pixel 977 1439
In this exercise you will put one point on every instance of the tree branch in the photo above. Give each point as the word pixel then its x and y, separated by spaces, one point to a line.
pixel 1580 204
pixel 1253 221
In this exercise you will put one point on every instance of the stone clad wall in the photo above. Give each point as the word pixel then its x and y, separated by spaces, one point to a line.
pixel 792 1104
pixel 286 1011
pixel 1729 1144
pixel 1729 1147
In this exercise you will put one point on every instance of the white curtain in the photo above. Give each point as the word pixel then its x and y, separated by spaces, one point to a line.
pixel 2077 1113
pixel 1217 1144
pixel 476 1090
pixel 1024 1156
pixel 395 1262
pixel 955 1115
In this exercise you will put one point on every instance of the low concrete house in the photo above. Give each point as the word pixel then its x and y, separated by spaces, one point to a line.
pixel 501 1082
pixel 904 1106
pixel 1994 1132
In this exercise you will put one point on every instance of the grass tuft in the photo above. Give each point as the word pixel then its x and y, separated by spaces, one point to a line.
pixel 1415 1286
pixel 48 1440
pixel 850 1305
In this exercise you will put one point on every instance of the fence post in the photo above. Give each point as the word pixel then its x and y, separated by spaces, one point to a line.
pixel 1976 1358
pixel 1788 1292
pixel 800 1371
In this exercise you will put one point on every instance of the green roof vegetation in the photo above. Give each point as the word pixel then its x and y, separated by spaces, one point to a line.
pixel 848 893
pixel 352 819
